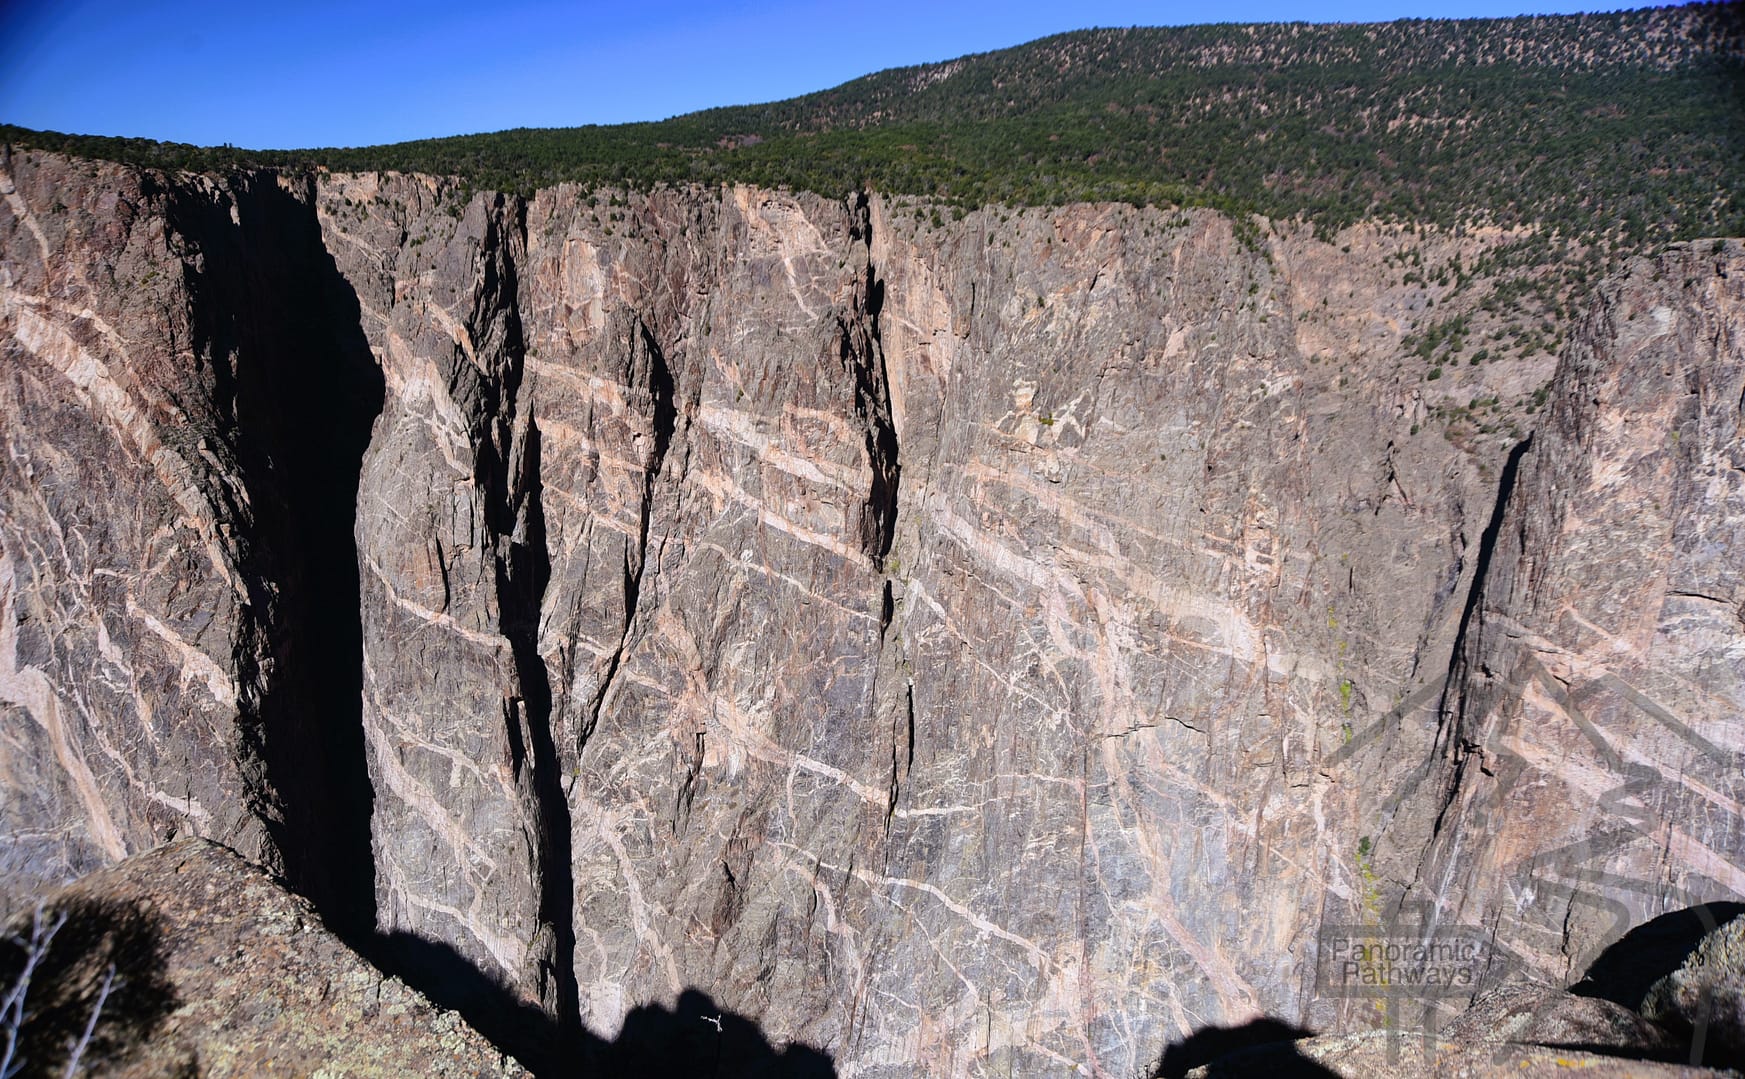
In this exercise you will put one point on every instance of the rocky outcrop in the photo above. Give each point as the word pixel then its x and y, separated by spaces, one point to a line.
pixel 189 961
pixel 1523 1028
pixel 1010 644
pixel 1705 997
pixel 1411 1056
pixel 1526 1014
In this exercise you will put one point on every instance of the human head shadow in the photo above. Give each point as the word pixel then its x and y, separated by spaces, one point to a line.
pixel 1258 1047
pixel 70 960
pixel 698 1037
pixel 1625 970
pixel 682 1040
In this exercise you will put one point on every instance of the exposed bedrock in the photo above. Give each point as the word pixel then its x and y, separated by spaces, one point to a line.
pixel 188 396
pixel 998 646
pixel 1590 753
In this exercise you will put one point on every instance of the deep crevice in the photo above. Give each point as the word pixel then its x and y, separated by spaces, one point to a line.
pixel 1459 661
pixel 281 328
pixel 648 371
pixel 664 414
pixel 523 573
pixel 1487 543
pixel 862 352
pixel 507 469
pixel 909 704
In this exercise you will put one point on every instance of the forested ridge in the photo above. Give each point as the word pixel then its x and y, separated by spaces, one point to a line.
pixel 1619 127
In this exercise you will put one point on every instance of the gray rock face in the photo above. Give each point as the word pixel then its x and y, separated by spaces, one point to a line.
pixel 1589 755
pixel 1003 646
pixel 176 579
pixel 121 596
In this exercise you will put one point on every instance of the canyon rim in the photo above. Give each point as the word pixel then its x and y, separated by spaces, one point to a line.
pixel 1000 642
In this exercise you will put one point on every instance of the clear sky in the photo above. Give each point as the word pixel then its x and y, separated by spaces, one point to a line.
pixel 299 73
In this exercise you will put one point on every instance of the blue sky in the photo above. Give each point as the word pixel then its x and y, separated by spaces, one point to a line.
pixel 300 73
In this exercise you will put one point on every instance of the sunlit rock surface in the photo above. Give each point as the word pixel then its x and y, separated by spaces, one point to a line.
pixel 219 971
pixel 1006 645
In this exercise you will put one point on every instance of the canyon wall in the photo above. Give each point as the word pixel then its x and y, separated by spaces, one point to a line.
pixel 1002 644
pixel 1592 739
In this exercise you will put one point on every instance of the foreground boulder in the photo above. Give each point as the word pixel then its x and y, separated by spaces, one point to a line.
pixel 198 963
pixel 1706 996
pixel 1546 1016
pixel 1380 1052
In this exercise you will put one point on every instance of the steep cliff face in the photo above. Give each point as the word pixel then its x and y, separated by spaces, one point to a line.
pixel 1599 688
pixel 1002 645
pixel 901 594
pixel 187 394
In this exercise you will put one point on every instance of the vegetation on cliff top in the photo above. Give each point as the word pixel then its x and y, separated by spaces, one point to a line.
pixel 1627 125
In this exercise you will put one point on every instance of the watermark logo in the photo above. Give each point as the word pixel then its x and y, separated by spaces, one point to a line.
pixel 1401 958
pixel 1377 961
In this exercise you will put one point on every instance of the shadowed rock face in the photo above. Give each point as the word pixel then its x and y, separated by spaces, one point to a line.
pixel 187 395
pixel 1705 997
pixel 997 646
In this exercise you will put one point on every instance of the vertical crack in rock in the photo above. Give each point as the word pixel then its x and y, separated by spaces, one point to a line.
pixel 523 573
pixel 902 752
pixel 862 353
pixel 508 469
pixel 649 374
pixel 282 329
pixel 1458 734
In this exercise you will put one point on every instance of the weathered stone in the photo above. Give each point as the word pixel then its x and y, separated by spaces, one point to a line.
pixel 1706 996
pixel 1542 1015
pixel 1001 646
pixel 222 972
pixel 1405 1054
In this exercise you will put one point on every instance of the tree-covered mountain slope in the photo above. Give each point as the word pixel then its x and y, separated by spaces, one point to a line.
pixel 1624 126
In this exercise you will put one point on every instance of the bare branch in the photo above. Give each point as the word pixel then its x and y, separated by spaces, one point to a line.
pixel 12 1013
pixel 84 1042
